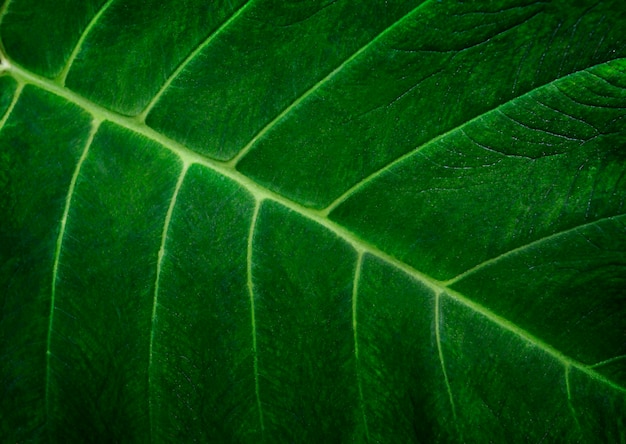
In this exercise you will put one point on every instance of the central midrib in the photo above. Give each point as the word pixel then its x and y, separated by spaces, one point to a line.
pixel 261 193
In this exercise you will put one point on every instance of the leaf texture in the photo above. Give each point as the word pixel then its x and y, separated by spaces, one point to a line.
pixel 329 221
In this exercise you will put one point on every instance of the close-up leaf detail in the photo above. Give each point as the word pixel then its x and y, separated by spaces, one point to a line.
pixel 313 221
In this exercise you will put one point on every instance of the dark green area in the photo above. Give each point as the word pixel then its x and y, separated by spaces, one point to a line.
pixel 260 64
pixel 37 160
pixel 544 163
pixel 434 70
pixel 202 370
pixel 402 383
pixel 7 90
pixel 568 275
pixel 303 277
pixel 501 385
pixel 600 414
pixel 41 35
pixel 122 69
pixel 105 292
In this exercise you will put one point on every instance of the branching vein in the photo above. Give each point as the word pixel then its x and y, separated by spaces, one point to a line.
pixel 440 352
pixel 57 254
pixel 233 162
pixel 521 248
pixel 255 353
pixel 355 294
pixel 378 173
pixel 260 193
pixel 155 299
pixel 16 96
pixel 608 361
pixel 70 61
pixel 569 395
pixel 189 58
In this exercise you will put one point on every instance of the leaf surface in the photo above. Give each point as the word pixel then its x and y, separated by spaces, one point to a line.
pixel 338 221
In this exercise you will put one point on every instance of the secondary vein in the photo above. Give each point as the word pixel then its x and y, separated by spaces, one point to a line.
pixel 70 61
pixel 521 248
pixel 192 55
pixel 531 339
pixel 57 254
pixel 233 162
pixel 440 352
pixel 385 168
pixel 260 193
pixel 355 294
pixel 569 395
pixel 16 96
pixel 608 361
pixel 250 283
pixel 155 298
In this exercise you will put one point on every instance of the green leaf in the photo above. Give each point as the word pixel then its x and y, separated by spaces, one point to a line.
pixel 313 221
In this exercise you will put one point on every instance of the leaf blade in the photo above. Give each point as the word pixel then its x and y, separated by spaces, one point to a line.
pixel 250 316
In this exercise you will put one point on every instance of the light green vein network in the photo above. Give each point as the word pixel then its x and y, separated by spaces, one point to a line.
pixel 260 193
pixel 520 249
pixel 410 154
pixel 227 169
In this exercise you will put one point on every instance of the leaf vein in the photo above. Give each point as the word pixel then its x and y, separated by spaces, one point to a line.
pixel 608 361
pixel 440 353
pixel 57 254
pixel 9 111
pixel 92 23
pixel 521 248
pixel 155 297
pixel 250 284
pixel 359 378
pixel 260 193
pixel 190 57
pixel 568 390
pixel 376 174
pixel 294 104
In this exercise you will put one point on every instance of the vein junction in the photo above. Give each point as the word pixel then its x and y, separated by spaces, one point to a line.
pixel 260 193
